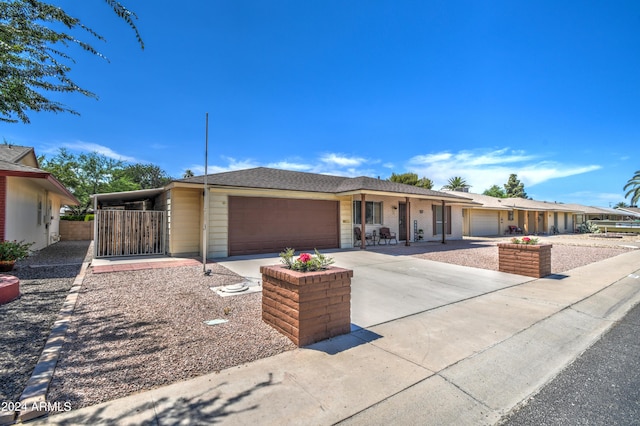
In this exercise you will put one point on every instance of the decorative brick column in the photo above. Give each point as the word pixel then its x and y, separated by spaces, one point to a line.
pixel 307 306
pixel 532 260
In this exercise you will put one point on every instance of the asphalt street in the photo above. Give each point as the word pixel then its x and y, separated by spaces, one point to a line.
pixel 602 387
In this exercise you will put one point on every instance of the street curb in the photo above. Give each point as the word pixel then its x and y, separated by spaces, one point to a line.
pixel 33 398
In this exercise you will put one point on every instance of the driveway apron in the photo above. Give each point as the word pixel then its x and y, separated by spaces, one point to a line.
pixel 387 287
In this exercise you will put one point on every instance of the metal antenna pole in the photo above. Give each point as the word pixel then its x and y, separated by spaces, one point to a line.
pixel 206 199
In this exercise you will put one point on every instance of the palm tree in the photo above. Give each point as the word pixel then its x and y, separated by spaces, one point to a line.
pixel 621 205
pixel 634 191
pixel 456 183
pixel 187 174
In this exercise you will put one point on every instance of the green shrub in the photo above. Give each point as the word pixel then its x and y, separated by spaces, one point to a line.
pixel 588 228
pixel 14 250
pixel 88 217
pixel 72 217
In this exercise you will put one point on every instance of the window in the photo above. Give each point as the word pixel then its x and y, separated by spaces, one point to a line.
pixel 437 219
pixel 510 215
pixel 566 221
pixel 39 209
pixel 373 213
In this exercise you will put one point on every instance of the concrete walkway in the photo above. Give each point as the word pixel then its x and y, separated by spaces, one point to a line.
pixel 464 362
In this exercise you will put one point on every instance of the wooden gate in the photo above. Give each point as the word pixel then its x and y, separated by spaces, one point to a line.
pixel 129 233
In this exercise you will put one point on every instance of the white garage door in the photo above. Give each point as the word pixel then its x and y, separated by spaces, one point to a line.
pixel 484 223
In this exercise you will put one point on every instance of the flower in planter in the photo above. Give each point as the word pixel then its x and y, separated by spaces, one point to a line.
pixel 14 250
pixel 305 262
pixel 524 240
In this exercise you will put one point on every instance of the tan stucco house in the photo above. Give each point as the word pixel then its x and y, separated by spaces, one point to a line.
pixel 264 210
pixel 493 216
pixel 30 198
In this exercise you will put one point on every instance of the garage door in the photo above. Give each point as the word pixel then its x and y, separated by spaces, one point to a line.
pixel 484 223
pixel 269 225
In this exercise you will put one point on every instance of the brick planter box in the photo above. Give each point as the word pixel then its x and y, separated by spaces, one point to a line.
pixel 307 307
pixel 9 288
pixel 532 260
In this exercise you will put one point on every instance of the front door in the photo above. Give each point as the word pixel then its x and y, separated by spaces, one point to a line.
pixel 402 224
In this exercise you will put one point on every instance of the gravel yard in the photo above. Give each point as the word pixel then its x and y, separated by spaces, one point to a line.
pixel 45 280
pixel 568 252
pixel 137 330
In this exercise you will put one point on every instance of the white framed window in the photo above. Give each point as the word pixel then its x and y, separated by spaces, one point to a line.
pixel 373 212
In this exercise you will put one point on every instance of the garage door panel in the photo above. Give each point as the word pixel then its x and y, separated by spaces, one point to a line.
pixel 485 223
pixel 269 225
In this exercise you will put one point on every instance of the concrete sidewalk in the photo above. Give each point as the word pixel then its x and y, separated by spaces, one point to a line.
pixel 463 363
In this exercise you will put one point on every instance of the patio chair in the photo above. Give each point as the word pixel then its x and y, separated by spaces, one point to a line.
pixel 387 236
pixel 369 239
pixel 515 230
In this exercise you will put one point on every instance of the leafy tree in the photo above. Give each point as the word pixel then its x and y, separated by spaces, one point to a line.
pixel 514 188
pixel 425 183
pixel 411 179
pixel 87 174
pixel 633 185
pixel 495 191
pixel 33 38
pixel 146 176
pixel 456 183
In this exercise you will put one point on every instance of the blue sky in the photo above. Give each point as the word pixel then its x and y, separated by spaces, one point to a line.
pixel 545 89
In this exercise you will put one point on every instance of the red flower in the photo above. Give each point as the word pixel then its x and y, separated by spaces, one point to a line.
pixel 526 239
pixel 304 257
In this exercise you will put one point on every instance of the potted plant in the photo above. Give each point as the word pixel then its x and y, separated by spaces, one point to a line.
pixel 10 251
pixel 420 234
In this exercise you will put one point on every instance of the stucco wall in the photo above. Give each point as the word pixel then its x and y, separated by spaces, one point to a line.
pixel 21 220
pixel 185 215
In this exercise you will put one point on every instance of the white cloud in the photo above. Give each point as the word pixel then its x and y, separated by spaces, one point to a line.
pixel 482 169
pixel 342 160
pixel 100 149
pixel 288 165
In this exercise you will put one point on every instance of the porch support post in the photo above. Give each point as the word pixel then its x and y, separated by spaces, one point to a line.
pixel 363 216
pixel 444 223
pixel 96 218
pixel 526 222
pixel 408 221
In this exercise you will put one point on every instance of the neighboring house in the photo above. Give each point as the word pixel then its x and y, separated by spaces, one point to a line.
pixel 30 198
pixel 629 213
pixel 494 216
pixel 264 210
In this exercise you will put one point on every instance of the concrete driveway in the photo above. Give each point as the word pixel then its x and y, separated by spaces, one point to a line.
pixel 386 287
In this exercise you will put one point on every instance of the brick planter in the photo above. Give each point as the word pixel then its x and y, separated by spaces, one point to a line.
pixel 532 260
pixel 9 288
pixel 307 306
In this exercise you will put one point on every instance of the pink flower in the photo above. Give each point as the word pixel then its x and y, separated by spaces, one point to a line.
pixel 304 257
pixel 526 239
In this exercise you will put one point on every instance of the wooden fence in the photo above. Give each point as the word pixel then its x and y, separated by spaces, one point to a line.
pixel 129 233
